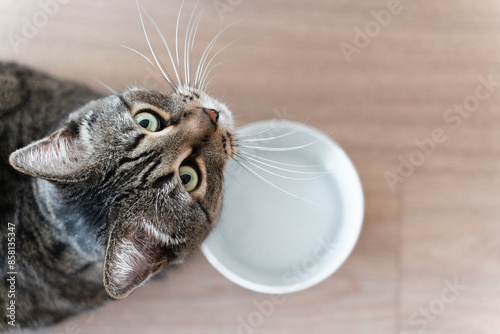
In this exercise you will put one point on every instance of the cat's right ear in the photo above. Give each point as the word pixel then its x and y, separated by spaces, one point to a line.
pixel 60 157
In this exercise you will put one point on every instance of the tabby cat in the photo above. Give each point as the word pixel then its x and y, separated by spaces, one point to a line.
pixel 118 188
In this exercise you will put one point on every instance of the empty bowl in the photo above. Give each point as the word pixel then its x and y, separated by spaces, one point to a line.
pixel 293 209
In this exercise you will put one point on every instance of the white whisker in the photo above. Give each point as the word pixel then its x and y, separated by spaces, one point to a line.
pixel 176 42
pixel 242 133
pixel 247 154
pixel 251 171
pixel 271 138
pixel 205 54
pixel 196 25
pixel 160 66
pixel 284 176
pixel 202 65
pixel 187 43
pixel 198 19
pixel 207 85
pixel 322 173
pixel 203 85
pixel 140 54
pixel 106 86
pixel 279 149
pixel 207 68
pixel 153 22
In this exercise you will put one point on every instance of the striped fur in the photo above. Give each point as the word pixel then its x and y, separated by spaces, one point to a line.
pixel 96 200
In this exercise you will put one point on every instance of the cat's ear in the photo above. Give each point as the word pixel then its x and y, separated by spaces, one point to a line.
pixel 61 156
pixel 133 255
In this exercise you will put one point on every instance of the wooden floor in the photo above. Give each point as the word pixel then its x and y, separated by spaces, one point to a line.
pixel 415 102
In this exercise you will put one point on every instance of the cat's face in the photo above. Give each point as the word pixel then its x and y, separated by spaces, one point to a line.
pixel 154 161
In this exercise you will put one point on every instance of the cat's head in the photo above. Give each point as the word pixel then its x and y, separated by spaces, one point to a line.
pixel 153 162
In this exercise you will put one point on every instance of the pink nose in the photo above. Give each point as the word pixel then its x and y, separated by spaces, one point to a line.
pixel 214 115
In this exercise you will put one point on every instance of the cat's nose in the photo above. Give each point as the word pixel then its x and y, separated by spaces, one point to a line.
pixel 214 115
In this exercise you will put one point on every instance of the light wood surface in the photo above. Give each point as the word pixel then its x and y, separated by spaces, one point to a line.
pixel 438 227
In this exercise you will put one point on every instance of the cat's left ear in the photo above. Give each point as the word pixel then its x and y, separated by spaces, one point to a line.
pixel 133 255
pixel 61 156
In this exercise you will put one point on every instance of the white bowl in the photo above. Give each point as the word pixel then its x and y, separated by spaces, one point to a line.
pixel 293 209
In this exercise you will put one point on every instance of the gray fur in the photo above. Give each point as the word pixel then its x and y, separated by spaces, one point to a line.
pixel 97 202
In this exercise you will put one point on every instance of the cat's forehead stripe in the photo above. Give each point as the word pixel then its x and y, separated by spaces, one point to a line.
pixel 152 98
pixel 122 99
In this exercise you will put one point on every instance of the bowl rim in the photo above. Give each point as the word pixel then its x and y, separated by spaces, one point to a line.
pixel 346 251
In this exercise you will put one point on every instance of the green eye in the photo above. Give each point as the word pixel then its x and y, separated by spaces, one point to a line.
pixel 189 177
pixel 147 121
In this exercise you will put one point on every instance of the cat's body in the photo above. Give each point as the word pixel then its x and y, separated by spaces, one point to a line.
pixel 33 105
pixel 109 200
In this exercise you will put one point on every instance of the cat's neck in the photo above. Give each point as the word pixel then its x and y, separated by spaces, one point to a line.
pixel 70 217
